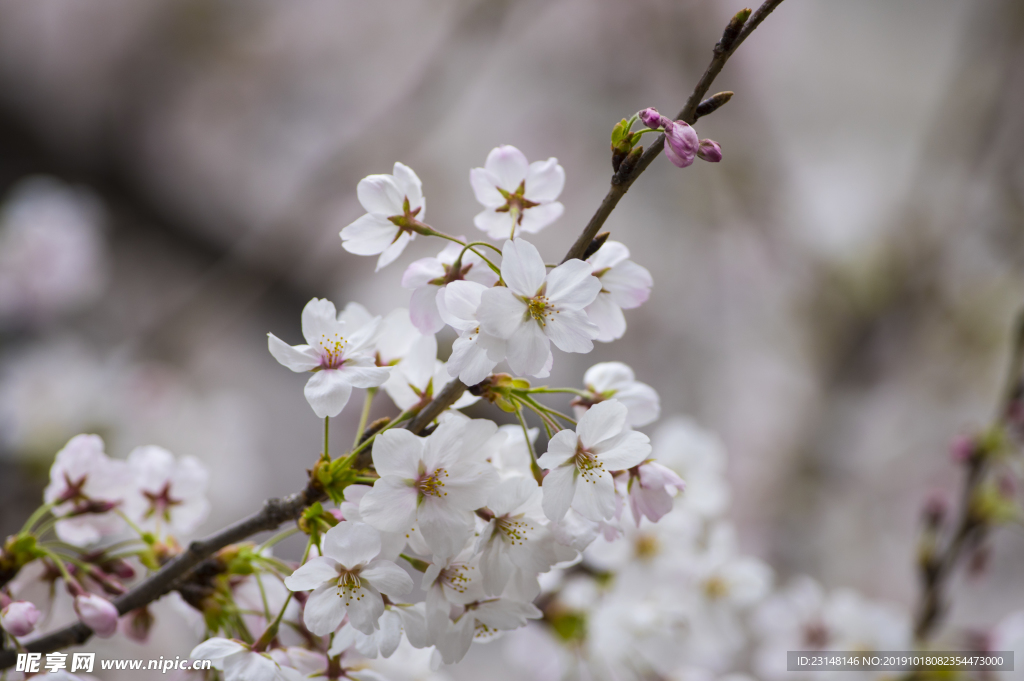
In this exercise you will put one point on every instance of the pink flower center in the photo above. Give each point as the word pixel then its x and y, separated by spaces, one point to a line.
pixel 332 350
pixel 160 503
pixel 589 466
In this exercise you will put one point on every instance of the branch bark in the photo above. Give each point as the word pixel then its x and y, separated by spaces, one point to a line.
pixel 280 510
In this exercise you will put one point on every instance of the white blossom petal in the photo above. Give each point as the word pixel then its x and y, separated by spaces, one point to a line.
pixel 312 574
pixel 387 578
pixel 559 489
pixel 352 543
pixel 327 392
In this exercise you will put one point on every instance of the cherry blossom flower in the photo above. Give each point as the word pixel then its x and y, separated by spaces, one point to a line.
pixel 608 380
pixel 85 485
pixel 348 579
pixel 167 492
pixel 339 355
pixel 428 276
pixel 97 613
pixel 650 490
pixel 419 376
pixel 19 618
pixel 624 286
pixel 483 621
pixel 580 463
pixel 240 663
pixel 509 453
pixel 516 543
pixel 517 196
pixel 475 353
pixel 394 208
pixel 452 581
pixel 433 483
pixel 536 307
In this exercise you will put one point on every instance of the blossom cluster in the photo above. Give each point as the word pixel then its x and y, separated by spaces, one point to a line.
pixel 607 553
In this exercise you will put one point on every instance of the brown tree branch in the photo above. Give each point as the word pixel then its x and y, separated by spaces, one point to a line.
pixel 969 530
pixel 277 511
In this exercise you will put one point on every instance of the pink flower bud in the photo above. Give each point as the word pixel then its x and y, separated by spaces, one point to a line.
pixel 121 568
pixel 97 613
pixel 681 143
pixel 337 514
pixel 710 151
pixel 19 618
pixel 651 118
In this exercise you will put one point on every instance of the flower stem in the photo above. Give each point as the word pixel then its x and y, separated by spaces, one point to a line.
pixel 327 433
pixel 365 416
pixel 469 246
pixel 534 467
pixel 35 517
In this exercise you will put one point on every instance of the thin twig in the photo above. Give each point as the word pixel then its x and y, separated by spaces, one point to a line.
pixel 969 529
pixel 273 513
pixel 622 181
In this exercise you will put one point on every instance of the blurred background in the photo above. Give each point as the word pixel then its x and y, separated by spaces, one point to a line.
pixel 834 298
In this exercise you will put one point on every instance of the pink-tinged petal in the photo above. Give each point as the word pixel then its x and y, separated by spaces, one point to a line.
pixel 319 319
pixel 387 578
pixel 327 393
pixel 677 159
pixel 216 649
pixel 544 180
pixel 397 452
pixel 311 574
pixel 422 271
pixel 390 506
pixel 528 349
pixel 653 475
pixel 368 235
pixel 559 489
pixel 496 225
pixel 652 503
pixel 392 252
pixel 508 165
pixel 571 331
pixel 622 451
pixel 485 188
pixel 522 267
pixel 608 317
pixel 423 309
pixel 572 285
pixel 602 421
pixel 352 543
pixel 380 194
pixel 629 284
pixel 298 358
pixel 595 497
pixel 365 606
pixel 561 449
pixel 501 312
pixel 324 610
pixel 363 376
pixel 539 217
pixel 410 186
pixel 445 529
pixel 609 255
